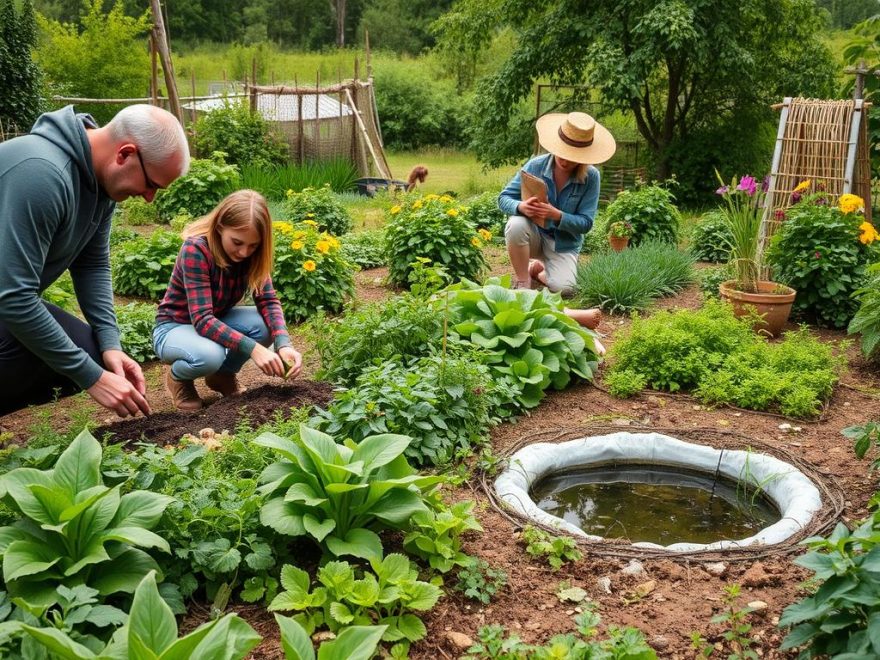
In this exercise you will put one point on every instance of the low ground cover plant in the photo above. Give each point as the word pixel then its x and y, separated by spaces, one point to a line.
pixel 434 228
pixel 435 535
pixel 311 275
pixel 712 278
pixel 720 360
pixel 208 181
pixel 120 234
pixel 711 238
pixel 143 266
pixel 651 211
pixel 320 206
pixel 480 582
pixel 365 248
pixel 135 321
pixel 557 550
pixel 632 279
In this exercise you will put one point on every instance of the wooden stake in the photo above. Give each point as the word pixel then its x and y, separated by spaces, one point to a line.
pixel 161 38
pixel 154 71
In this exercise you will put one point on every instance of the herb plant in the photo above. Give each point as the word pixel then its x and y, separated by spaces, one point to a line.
pixel 435 535
pixel 480 582
pixel 863 437
pixel 135 321
pixel 651 211
pixel 558 550
pixel 137 211
pixel 711 238
pixel 320 206
pixel 143 266
pixel 120 235
pixel 365 248
pixel 736 628
pixel 199 190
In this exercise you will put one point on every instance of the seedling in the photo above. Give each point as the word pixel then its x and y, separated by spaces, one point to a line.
pixel 557 549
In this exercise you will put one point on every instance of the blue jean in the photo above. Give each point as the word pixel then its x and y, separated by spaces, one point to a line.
pixel 192 356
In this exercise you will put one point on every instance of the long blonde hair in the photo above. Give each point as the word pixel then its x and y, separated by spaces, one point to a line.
pixel 243 208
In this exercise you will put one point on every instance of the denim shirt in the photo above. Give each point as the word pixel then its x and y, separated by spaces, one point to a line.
pixel 577 201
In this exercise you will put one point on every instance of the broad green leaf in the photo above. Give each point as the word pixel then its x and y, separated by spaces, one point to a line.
pixel 304 493
pixel 283 517
pixel 318 528
pixel 547 336
pixel 341 613
pixel 353 643
pixel 319 444
pixel 150 617
pixel 140 508
pixel 95 518
pixel 411 627
pixel 295 641
pixel 184 648
pixel 143 538
pixel 58 643
pixel 125 572
pixel 79 466
pixel 398 505
pixel 23 558
pixel 359 542
pixel 106 615
pixel 287 448
pixel 393 568
pixel 294 579
pixel 378 450
pixel 54 501
pixel 509 319
pixel 231 639
pixel 17 485
pixel 93 553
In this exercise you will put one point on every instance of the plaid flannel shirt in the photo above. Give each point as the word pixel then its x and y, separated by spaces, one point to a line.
pixel 200 291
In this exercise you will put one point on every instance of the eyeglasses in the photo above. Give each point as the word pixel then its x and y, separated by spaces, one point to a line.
pixel 152 185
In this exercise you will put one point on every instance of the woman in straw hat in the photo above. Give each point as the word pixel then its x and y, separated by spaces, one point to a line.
pixel 544 238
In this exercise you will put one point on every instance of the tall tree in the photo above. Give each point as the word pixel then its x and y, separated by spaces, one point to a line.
pixel 20 79
pixel 677 66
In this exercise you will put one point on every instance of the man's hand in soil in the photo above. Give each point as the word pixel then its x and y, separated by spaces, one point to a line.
pixel 539 212
pixel 121 388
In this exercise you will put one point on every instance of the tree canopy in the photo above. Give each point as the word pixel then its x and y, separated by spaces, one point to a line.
pixel 20 80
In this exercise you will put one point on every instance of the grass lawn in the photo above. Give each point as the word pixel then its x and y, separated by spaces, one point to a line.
pixel 450 170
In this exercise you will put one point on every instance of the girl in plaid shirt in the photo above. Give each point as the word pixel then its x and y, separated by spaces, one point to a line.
pixel 199 329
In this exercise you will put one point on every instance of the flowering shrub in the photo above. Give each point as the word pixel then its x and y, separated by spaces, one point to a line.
pixel 821 251
pixel 320 206
pixel 310 273
pixel 711 238
pixel 435 228
pixel 485 214
pixel 651 212
pixel 621 229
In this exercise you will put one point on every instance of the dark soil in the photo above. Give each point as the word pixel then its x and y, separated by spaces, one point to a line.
pixel 256 406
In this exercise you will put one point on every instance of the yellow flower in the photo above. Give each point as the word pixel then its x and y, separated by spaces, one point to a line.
pixel 323 247
pixel 283 227
pixel 309 266
pixel 310 215
pixel 333 242
pixel 475 241
pixel 803 185
pixel 394 210
pixel 869 234
pixel 851 203
pixel 485 233
pixel 446 198
pixel 417 204
pixel 298 235
pixel 431 196
pixel 297 245
pixel 310 223
pixel 452 212
pixel 289 193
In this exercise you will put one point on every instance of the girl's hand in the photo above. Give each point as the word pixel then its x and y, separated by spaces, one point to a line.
pixel 293 359
pixel 269 363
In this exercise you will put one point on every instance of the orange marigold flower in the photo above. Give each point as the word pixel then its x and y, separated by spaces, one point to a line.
pixel 869 234
pixel 309 266
pixel 297 245
pixel 323 247
pixel 850 203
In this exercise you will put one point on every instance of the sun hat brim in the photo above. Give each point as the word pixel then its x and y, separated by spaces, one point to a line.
pixel 602 148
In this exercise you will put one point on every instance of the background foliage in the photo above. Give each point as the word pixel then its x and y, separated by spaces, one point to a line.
pixel 20 78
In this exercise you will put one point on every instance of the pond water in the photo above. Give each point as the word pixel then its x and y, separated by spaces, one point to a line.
pixel 652 503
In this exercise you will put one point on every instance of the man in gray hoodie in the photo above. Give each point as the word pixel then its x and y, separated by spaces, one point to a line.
pixel 58 189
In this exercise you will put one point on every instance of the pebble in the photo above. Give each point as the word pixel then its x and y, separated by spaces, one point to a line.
pixel 659 643
pixel 459 640
pixel 717 568
pixel 604 584
pixel 645 588
pixel 634 568
pixel 758 606
pixel 846 404
pixel 619 421
pixel 533 626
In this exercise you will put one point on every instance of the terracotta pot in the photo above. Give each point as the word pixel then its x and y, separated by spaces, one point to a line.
pixel 618 243
pixel 772 302
pixel 589 318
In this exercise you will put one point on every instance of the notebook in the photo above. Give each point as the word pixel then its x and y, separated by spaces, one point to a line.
pixel 532 186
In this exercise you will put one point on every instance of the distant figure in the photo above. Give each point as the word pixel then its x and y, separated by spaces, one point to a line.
pixel 419 174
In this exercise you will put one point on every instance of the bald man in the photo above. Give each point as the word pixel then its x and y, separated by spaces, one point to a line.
pixel 59 186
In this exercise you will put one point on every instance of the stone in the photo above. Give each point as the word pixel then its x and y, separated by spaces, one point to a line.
pixel 459 641
pixel 756 576
pixel 323 636
pixel 758 607
pixel 717 569
pixel 633 568
pixel 604 584
pixel 620 421
pixel 645 588
pixel 659 643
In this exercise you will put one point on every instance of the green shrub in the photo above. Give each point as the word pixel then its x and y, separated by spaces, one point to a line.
pixel 712 278
pixel 530 343
pixel 625 383
pixel 137 211
pixel 711 238
pixel 818 253
pixel 402 328
pixel 650 210
pixel 200 190
pixel 21 95
pixel 143 266
pixel 631 279
pixel 120 235
pixel 244 136
pixel 596 240
pixel 365 248
pixel 558 550
pixel 136 321
pixel 435 534
pixel 310 272
pixel 60 293
pixel 74 530
pixel 340 494
pixel 319 205
pixel 434 228
pixel 443 405
pixel 483 211
pixel 867 319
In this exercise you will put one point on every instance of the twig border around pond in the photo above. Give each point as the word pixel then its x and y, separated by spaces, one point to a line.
pixel 833 496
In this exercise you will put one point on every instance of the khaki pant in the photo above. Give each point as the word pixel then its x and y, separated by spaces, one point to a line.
pixel 560 268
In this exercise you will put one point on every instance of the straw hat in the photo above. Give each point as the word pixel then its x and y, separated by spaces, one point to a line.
pixel 575 136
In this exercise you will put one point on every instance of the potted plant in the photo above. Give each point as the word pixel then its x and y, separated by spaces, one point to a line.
pixel 619 234
pixel 748 293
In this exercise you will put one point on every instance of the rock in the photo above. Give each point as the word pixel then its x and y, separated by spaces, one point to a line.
pixel 757 576
pixel 659 643
pixel 717 569
pixel 323 636
pixel 785 426
pixel 533 626
pixel 645 588
pixel 207 433
pixel 633 568
pixel 604 584
pixel 459 641
pixel 620 421
pixel 758 607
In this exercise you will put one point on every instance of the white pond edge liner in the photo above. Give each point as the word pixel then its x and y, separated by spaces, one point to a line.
pixel 788 488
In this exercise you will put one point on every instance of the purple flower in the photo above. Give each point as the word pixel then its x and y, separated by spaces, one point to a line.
pixel 748 185
pixel 795 197
pixel 722 190
pixel 765 183
pixel 821 201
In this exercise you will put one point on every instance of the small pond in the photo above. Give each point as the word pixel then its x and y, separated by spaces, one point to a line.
pixel 654 503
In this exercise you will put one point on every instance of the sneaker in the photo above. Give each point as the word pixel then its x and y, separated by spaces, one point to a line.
pixel 183 392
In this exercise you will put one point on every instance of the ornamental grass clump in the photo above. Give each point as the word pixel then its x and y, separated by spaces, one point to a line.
pixel 436 228
pixel 311 275
pixel 318 205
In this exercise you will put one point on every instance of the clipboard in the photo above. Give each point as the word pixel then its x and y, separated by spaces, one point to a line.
pixel 532 186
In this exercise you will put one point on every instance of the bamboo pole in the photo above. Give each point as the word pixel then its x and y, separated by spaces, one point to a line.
pixel 154 71
pixel 161 38
pixel 363 128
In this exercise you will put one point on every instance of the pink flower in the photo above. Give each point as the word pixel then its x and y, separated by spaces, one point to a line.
pixel 818 255
pixel 748 185
pixel 779 215
pixel 722 190
pixel 795 197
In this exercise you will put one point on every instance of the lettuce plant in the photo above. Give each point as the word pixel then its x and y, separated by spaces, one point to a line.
pixel 527 337
pixel 338 494
pixel 75 530
pixel 151 632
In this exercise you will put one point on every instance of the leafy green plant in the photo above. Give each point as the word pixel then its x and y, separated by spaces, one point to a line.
pixel 60 293
pixel 625 383
pixel 310 272
pixel 743 211
pixel 434 228
pixel 365 248
pixel 136 321
pixel 143 266
pixel 244 136
pixel 151 632
pixel 528 340
pixel 712 278
pixel 484 212
pixel 387 596
pixel 137 211
pixel 208 181
pixel 867 319
pixel 320 206
pixel 480 582
pixel 274 182
pixel 120 235
pixel 74 530
pixel 736 633
pixel 651 212
pixel 631 279
pixel 556 549
pixel 839 618
pixel 621 229
pixel 435 534
pixel 817 251
pixel 711 238
pixel 352 642
pixel 863 437
pixel 338 494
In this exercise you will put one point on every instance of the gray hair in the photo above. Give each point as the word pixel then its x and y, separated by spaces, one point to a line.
pixel 155 131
